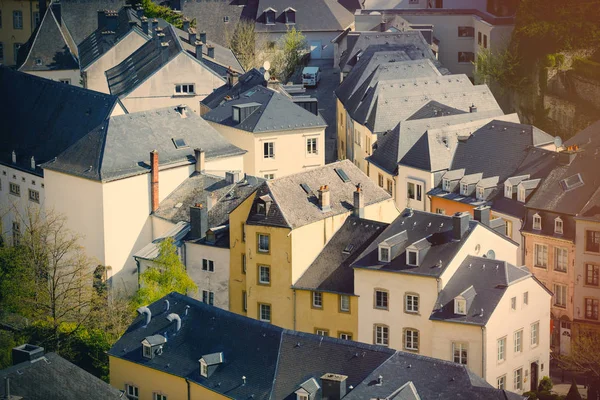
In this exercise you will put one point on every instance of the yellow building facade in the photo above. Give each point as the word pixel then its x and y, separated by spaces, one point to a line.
pixel 18 20
pixel 330 319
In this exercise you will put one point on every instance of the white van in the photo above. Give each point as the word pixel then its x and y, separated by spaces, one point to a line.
pixel 311 76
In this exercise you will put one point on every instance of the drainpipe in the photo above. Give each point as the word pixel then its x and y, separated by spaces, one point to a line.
pixel 294 308
pixel 188 388
pixel 483 335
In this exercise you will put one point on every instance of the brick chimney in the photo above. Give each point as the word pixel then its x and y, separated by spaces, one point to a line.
pixel 154 179
pixel 199 45
pixel 359 202
pixel 200 158
pixel 232 77
pixel 324 198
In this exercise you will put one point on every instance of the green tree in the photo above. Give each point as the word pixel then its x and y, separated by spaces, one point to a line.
pixel 501 68
pixel 167 275
pixel 152 10
pixel 585 358
pixel 289 50
pixel 242 42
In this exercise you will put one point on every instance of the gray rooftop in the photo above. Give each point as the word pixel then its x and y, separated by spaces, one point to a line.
pixel 275 112
pixel 121 146
pixel 313 16
pixel 292 207
pixel 226 92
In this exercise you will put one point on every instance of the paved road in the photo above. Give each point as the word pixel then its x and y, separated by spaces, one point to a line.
pixel 324 93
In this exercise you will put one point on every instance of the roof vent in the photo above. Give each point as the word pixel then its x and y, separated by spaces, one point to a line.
pixel 14 157
pixel 572 182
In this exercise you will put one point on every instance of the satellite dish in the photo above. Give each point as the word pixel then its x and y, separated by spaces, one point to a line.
pixel 267 65
pixel 491 254
pixel 267 76
pixel 558 142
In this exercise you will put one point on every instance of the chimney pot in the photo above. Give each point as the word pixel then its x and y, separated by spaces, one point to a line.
pixel 144 25
pixel 324 198
pixel 460 225
pixel 202 37
pixel 199 45
pixel 210 51
pixel 191 36
pixel 200 159
pixel 472 108
pixel 154 179
pixel 359 202
pixel 198 221
pixel 186 25
pixel 154 25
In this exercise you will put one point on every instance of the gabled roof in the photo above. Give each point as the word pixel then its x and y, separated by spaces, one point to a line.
pixel 50 47
pixel 292 207
pixel 45 117
pixel 81 16
pixel 224 93
pixel 120 147
pixel 435 109
pixel 313 16
pixel 53 377
pixel 488 279
pixel 274 112
pixel 331 271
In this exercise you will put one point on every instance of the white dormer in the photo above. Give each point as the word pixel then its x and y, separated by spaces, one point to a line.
pixel 511 185
pixel 308 390
pixel 521 194
pixel 270 16
pixel 209 363
pixel 412 257
pixel 558 226
pixel 480 193
pixel 508 190
pixel 384 253
pixel 460 305
pixel 464 189
pixel 290 15
pixel 415 253
pixel 391 247
pixel 537 222
pixel 153 345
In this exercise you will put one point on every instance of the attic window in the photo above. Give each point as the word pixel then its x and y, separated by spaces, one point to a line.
pixel 521 195
pixel 203 368
pixel 558 226
pixel 260 208
pixel 480 193
pixel 384 254
pixel 537 222
pixel 236 114
pixel 342 174
pixel 412 258
pixel 464 189
pixel 270 16
pixel 460 306
pixel 180 143
pixel 290 15
pixel 446 185
pixel 571 182
pixel 306 188
pixel 508 190
pixel 147 351
pixel 348 249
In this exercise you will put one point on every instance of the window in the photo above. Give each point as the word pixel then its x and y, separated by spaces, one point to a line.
pixel 14 189
pixel 413 2
pixel 36 19
pixel 480 193
pixel 411 303
pixel 264 312
pixel 521 195
pixel 158 396
pixel 410 190
pixel 419 192
pixel 269 150
pixel 344 303
pixel 560 295
pixel 264 275
pixel 390 186
pixel 485 41
pixel 592 275
pixel 16 47
pixel 460 306
pixel 459 352
pixel 541 255
pixel 502 349
pixel 300 396
pixel 501 382
pixel 558 226
pixel 518 338
pixel 322 332
pixel 345 336
pixel 1 51
pixel 235 114
pixel 65 81
pixel 203 369
pixel 518 379
pixel 132 392
pixel 591 309
pixel 479 38
pixel 525 298
pixel 384 254
pixel 537 222
pixel 183 89
pixel 244 264
pixel 17 19
pixel 147 351
pixel 513 303
pixel 412 258
pixel 508 228
pixel 381 299
pixel 561 259
pixel 592 241
pixel 466 31
pixel 311 146
pixel 34 196
pixel 381 335
pixel 243 232
pixel 208 297
pixel 535 334
pixel 226 19
pixel 263 243
pixel 16 233
pixel 270 17
pixel 380 180
pixel 411 339
pixel 464 189
pixel 244 300
pixel 208 265
pixel 317 300
pixel 440 211
pixel 466 57
pixel 269 176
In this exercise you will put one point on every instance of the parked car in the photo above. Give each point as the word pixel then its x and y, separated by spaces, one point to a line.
pixel 311 76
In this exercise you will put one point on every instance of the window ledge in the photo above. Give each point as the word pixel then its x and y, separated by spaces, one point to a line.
pixel 540 267
pixel 381 308
pixel 184 95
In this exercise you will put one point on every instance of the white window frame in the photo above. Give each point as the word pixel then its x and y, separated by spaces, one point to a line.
pixel 501 349
pixel 513 303
pixel 382 335
pixel 262 249
pixel 387 300
pixel 322 332
pixel 518 341
pixel 414 336
pixel 508 191
pixel 312 146
pixel 411 303
pixel 342 307
pixel 408 254
pixel 460 306
pixel 159 396
pixel 262 268
pixel 480 193
pixel 560 295
pixel 464 189
pixel 561 253
pixel 501 382
pixel 518 379
pixel 462 358
pixel 260 312
pixel 132 392
pixel 525 298
pixel 14 189
pixel 521 194
pixel 269 150
pixel 558 226
pixel 544 255
pixel 301 396
pixel 345 336
pixel 203 368
pixel 185 89
pixel 446 185
pixel 34 196
pixel 235 114
pixel 269 176
pixel 537 222
pixel 387 250
pixel 147 351
pixel 317 300
pixel 535 334
pixel 17 19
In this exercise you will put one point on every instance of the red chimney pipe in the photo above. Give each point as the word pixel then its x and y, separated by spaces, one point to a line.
pixel 154 179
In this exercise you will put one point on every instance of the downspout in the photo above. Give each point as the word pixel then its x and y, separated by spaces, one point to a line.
pixel 483 352
pixel 188 389
pixel 294 309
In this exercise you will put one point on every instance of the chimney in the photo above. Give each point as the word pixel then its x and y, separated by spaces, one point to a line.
pixel 146 311
pixel 566 157
pixel 14 157
pixel 139 11
pixel 174 317
pixel 210 51
pixel 26 353
pixel 359 202
pixel 32 162
pixel 460 224
pixel 186 24
pixel 191 35
pixel 154 179
pixel 165 49
pixel 55 6
pixel 473 108
pixel 154 25
pixel 232 77
pixel 198 221
pixel 144 25
pixel 232 177
pixel 112 20
pixel 200 157
pixel 483 214
pixel 198 50
pixel 324 198
pixel 42 7
pixel 211 200
pixel 7 388
pixel 333 386
pixel 203 37
pixel 101 19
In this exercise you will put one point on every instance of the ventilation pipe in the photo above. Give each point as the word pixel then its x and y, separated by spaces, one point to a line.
pixel 154 179
pixel 145 310
pixel 174 317
pixel 167 305
pixel 32 162
pixel 14 157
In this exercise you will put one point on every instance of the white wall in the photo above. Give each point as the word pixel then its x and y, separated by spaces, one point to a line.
pixel 324 38
pixel 72 74
pixel 418 177
pixel 217 281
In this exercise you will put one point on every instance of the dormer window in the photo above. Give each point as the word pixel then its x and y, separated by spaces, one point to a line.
pixel 236 114
pixel 508 191
pixel 558 226
pixel 521 194
pixel 147 351
pixel 460 306
pixel 270 16
pixel 464 189
pixel 446 185
pixel 537 222
pixel 203 368
pixel 480 193
pixel 260 208
pixel 153 346
pixel 384 254
pixel 290 15
pixel 412 258
pixel 209 363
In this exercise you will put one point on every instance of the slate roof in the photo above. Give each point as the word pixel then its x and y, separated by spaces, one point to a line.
pixel 292 207
pixel 245 82
pixel 49 48
pixel 276 361
pixel 428 143
pixel 434 109
pixel 45 117
pixel 331 271
pixel 276 112
pixel 120 147
pixel 487 280
pixel 313 16
pixel 81 16
pixel 435 228
pixel 53 377
pixel 432 379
